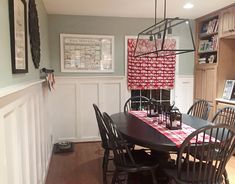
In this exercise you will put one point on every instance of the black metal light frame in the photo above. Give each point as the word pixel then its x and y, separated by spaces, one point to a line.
pixel 163 27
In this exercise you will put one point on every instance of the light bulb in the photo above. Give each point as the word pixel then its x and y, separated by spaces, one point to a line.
pixel 169 33
pixel 159 36
pixel 151 38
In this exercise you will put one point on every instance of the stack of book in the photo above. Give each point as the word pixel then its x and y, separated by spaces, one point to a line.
pixel 202 60
pixel 213 26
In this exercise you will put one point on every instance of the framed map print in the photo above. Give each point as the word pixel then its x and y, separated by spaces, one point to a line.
pixel 18 31
pixel 86 53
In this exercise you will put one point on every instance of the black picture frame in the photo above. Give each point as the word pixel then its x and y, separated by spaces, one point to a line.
pixel 18 33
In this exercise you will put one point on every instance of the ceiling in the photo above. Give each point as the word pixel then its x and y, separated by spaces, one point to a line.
pixel 133 8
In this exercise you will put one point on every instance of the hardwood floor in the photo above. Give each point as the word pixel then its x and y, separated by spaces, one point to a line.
pixel 83 166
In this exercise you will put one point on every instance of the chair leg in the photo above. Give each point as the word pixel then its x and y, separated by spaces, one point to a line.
pixel 153 176
pixel 115 175
pixel 226 177
pixel 105 165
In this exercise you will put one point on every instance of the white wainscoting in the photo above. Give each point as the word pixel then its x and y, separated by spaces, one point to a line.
pixel 25 134
pixel 183 92
pixel 72 113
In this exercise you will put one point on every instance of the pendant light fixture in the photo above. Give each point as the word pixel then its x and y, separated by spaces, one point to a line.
pixel 153 41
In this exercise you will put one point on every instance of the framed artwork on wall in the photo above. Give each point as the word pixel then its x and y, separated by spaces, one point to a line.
pixel 18 32
pixel 229 90
pixel 87 53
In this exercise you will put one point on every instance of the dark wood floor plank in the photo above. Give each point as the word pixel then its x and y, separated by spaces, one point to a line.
pixel 83 166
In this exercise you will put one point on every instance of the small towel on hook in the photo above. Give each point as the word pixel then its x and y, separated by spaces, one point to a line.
pixel 50 78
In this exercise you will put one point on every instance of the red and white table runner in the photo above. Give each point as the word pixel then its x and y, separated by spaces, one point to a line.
pixel 176 136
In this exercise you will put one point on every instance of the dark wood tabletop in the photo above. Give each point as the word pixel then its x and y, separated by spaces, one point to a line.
pixel 140 133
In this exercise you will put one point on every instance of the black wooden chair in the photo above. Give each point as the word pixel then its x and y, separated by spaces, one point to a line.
pixel 202 160
pixel 125 160
pixel 105 142
pixel 200 109
pixel 225 116
pixel 136 103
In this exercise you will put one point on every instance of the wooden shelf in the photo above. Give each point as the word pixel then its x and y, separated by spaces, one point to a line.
pixel 221 100
pixel 207 64
pixel 206 35
pixel 207 52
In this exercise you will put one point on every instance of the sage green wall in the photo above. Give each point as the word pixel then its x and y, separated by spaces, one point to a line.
pixel 119 27
pixel 6 76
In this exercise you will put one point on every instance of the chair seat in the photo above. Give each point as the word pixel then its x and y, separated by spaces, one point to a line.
pixel 143 161
pixel 130 145
pixel 172 173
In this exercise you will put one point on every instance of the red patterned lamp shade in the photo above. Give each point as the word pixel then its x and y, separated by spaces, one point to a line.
pixel 150 72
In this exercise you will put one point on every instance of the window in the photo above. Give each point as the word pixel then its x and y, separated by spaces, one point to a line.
pixel 163 96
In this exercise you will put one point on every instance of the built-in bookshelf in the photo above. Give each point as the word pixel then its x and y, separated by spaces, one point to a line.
pixel 214 56
pixel 208 41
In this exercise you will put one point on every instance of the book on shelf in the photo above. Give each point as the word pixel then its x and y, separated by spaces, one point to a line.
pixel 216 29
pixel 215 42
pixel 205 46
pixel 212 26
pixel 208 45
pixel 201 46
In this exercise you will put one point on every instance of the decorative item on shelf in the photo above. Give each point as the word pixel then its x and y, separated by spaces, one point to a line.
pixel 152 108
pixel 34 33
pixel 48 74
pixel 212 59
pixel 229 90
pixel 173 119
pixel 159 33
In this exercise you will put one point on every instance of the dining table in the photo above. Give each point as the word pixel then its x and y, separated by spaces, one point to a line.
pixel 134 130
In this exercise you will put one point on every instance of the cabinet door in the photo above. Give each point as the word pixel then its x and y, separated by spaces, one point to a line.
pixel 199 85
pixel 205 86
pixel 227 22
pixel 210 85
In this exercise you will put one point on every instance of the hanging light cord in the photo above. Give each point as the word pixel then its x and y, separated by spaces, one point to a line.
pixel 164 9
pixel 155 11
